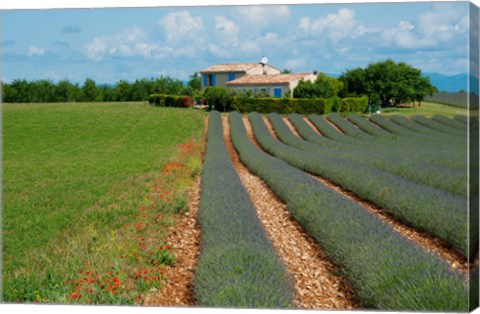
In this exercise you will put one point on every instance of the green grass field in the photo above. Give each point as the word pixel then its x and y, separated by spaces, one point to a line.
pixel 88 191
pixel 427 109
pixel 80 194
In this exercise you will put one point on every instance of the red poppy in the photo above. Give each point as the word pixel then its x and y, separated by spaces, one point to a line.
pixel 74 295
pixel 167 247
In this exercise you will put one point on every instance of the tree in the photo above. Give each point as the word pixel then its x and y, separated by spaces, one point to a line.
pixel 353 83
pixel 324 87
pixel 194 81
pixel 66 91
pixel 218 98
pixel 287 71
pixel 122 91
pixel 387 82
pixel 90 90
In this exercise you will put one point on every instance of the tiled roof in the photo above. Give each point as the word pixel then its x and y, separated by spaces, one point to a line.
pixel 262 79
pixel 230 67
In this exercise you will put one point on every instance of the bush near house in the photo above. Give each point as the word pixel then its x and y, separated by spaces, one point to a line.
pixel 163 100
pixel 220 99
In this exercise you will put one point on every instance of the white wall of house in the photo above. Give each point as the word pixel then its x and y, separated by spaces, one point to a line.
pixel 218 79
pixel 273 90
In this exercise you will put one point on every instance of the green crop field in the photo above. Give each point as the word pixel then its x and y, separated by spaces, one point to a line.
pixel 427 109
pixel 79 193
pixel 89 190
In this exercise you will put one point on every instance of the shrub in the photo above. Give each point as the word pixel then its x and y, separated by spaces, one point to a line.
pixel 334 104
pixel 298 105
pixel 279 105
pixel 218 98
pixel 162 100
pixel 354 104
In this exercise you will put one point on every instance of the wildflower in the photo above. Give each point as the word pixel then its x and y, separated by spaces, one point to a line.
pixel 74 295
pixel 167 247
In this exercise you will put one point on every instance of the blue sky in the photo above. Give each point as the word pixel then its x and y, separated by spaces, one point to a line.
pixel 112 44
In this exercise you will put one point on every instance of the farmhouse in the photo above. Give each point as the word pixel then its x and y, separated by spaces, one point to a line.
pixel 252 76
pixel 276 85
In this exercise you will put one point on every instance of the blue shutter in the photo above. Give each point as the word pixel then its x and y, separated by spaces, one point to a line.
pixel 205 80
pixel 277 92
pixel 231 76
pixel 213 79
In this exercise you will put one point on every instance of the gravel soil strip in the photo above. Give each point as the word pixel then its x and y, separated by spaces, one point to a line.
pixel 424 239
pixel 334 126
pixel 184 237
pixel 312 126
pixel 316 285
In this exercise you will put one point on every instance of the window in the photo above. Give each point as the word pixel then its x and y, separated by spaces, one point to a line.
pixel 209 80
pixel 277 92
pixel 231 76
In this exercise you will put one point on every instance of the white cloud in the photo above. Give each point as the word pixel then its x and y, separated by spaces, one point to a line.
pixel 407 40
pixel 249 47
pixel 129 43
pixel 36 51
pixel 219 51
pixel 262 15
pixel 226 27
pixel 182 27
pixel 334 26
pixel 295 64
pixel 405 26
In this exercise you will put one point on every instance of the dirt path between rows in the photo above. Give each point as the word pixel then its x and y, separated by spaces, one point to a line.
pixel 185 238
pixel 316 285
pixel 424 239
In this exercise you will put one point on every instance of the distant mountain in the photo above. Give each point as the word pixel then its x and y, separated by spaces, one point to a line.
pixel 452 83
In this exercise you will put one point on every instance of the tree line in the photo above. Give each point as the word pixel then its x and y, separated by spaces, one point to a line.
pixel 23 91
pixel 385 83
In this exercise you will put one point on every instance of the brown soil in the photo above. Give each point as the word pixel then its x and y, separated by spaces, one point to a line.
pixel 312 126
pixel 177 290
pixel 334 126
pixel 424 239
pixel 316 285
pixel 184 237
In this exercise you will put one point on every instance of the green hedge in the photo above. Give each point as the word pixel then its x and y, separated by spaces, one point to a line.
pixel 299 105
pixel 163 100
pixel 352 104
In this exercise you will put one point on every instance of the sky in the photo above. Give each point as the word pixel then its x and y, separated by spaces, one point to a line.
pixel 113 44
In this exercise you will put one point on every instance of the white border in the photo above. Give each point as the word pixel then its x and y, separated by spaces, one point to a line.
pixel 50 4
